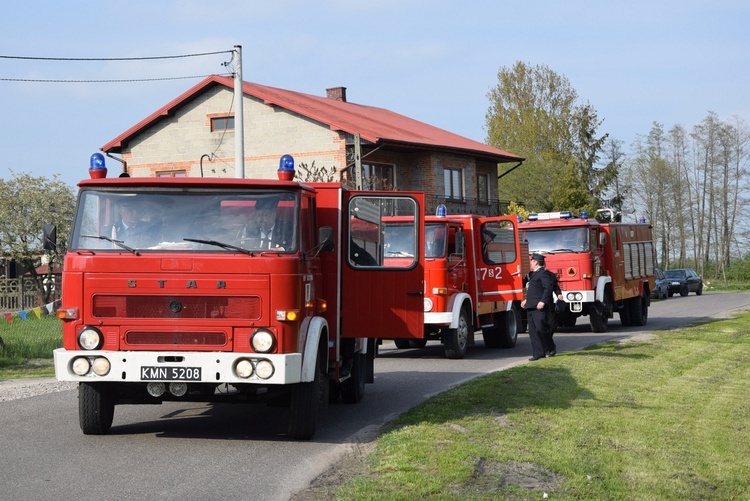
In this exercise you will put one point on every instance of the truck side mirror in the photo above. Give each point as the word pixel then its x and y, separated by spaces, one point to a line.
pixel 602 239
pixel 460 243
pixel 325 239
pixel 49 237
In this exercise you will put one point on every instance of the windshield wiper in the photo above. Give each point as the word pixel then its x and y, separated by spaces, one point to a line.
pixel 220 244
pixel 398 254
pixel 114 241
pixel 561 250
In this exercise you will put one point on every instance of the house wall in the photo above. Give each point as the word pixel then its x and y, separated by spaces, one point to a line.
pixel 179 141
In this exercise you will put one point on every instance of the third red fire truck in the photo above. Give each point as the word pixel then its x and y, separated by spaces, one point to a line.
pixel 602 265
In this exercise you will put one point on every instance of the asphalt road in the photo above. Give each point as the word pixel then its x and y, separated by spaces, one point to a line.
pixel 198 451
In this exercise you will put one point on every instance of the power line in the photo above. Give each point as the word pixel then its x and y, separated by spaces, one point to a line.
pixel 145 58
pixel 39 80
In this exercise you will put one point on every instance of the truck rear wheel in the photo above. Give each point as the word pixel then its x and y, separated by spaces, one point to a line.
pixel 96 408
pixel 508 329
pixel 353 388
pixel 638 311
pixel 457 339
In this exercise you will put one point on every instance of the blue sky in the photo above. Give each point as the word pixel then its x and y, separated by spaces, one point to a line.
pixel 636 62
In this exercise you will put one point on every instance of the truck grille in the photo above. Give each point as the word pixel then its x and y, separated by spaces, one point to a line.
pixel 176 338
pixel 247 308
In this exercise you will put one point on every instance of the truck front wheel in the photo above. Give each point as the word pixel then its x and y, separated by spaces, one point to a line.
pixel 96 408
pixel 457 339
pixel 303 412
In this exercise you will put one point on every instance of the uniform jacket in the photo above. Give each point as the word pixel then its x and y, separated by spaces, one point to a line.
pixel 541 284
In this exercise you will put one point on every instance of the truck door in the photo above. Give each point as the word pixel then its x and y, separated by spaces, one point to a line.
pixel 383 267
pixel 501 264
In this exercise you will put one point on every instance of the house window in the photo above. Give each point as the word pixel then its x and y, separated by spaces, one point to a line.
pixel 454 184
pixel 220 124
pixel 172 173
pixel 378 177
pixel 483 188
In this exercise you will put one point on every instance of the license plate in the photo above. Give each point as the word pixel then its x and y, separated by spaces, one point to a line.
pixel 170 373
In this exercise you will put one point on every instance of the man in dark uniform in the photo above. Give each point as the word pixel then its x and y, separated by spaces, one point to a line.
pixel 540 286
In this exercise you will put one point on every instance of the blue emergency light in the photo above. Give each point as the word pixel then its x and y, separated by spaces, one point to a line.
pixel 441 211
pixel 286 168
pixel 97 166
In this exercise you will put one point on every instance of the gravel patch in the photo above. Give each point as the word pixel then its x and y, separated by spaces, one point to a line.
pixel 12 389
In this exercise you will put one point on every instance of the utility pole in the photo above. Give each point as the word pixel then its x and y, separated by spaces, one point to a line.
pixel 357 162
pixel 239 119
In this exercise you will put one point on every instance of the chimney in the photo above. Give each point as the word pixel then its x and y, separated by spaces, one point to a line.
pixel 336 93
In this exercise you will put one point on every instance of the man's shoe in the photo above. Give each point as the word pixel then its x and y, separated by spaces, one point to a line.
pixel 534 359
pixel 552 353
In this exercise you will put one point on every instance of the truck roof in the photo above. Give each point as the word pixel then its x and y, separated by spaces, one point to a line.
pixel 191 182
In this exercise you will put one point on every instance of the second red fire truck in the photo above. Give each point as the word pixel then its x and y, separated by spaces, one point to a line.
pixel 474 268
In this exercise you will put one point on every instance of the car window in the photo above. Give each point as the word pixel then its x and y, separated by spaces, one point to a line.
pixel 675 273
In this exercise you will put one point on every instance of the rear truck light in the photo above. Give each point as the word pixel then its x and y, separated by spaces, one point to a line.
pixel 244 368
pixel 264 369
pixel 101 366
pixel 286 315
pixel 67 313
pixel 81 366
pixel 263 341
pixel 90 338
pixel 427 304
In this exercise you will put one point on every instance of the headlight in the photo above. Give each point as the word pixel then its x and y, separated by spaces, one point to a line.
pixel 89 338
pixel 244 368
pixel 427 304
pixel 101 366
pixel 262 341
pixel 81 366
pixel 264 369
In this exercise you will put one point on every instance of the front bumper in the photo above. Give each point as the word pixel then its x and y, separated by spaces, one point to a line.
pixel 215 368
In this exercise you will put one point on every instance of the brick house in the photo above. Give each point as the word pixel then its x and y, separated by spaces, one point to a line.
pixel 193 135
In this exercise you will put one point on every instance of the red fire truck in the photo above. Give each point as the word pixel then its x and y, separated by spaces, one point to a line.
pixel 473 279
pixel 188 300
pixel 602 265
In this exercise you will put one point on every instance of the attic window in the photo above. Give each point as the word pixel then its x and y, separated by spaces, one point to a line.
pixel 221 124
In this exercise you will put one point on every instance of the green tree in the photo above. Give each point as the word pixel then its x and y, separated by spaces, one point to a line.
pixel 533 113
pixel 27 204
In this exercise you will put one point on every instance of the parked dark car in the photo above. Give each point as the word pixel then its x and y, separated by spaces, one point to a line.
pixel 684 281
pixel 661 290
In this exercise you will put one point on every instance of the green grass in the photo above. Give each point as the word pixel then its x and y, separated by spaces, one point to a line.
pixel 26 349
pixel 660 419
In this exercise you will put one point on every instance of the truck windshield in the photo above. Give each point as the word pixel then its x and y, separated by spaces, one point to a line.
pixel 186 220
pixel 558 240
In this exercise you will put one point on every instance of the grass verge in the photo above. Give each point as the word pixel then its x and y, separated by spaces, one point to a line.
pixel 659 419
pixel 26 347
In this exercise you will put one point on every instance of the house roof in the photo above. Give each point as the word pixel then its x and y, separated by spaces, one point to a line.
pixel 376 125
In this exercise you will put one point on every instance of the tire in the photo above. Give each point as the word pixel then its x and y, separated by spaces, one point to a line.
pixel 305 402
pixel 599 314
pixel 508 328
pixel 353 388
pixel 700 290
pixel 684 291
pixel 417 343
pixel 96 408
pixel 457 340
pixel 402 344
pixel 625 314
pixel 638 311
pixel 670 293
